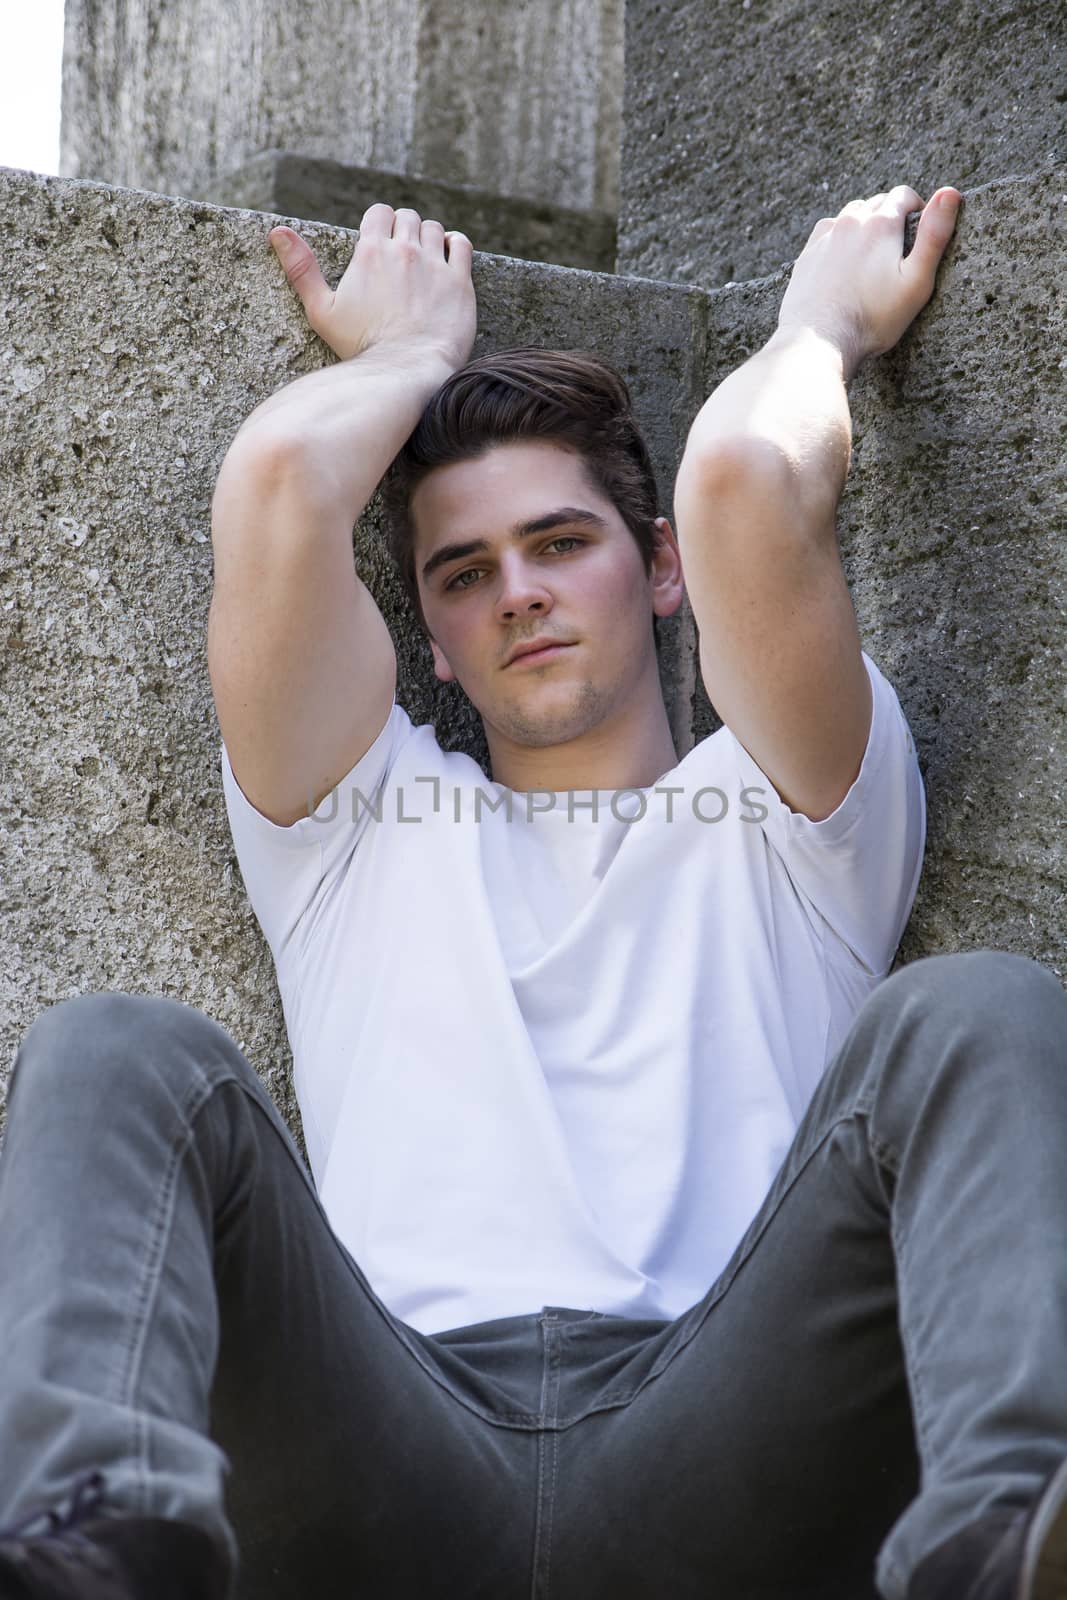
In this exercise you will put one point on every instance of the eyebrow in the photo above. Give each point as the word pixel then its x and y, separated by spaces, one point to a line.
pixel 522 530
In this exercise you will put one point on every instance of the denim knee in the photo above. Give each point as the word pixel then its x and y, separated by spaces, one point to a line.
pixel 108 1042
pixel 989 1019
pixel 990 988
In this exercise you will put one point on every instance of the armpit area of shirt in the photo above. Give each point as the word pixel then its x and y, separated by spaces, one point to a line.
pixel 851 806
pixel 313 828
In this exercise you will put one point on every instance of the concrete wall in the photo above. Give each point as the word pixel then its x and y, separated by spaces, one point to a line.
pixel 748 120
pixel 953 532
pixel 519 99
pixel 138 331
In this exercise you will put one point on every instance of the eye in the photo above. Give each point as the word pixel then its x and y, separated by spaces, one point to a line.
pixel 456 582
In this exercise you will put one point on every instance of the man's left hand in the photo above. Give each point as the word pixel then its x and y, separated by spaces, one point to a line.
pixel 852 282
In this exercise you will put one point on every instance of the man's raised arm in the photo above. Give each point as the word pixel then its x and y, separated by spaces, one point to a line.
pixel 757 492
pixel 302 666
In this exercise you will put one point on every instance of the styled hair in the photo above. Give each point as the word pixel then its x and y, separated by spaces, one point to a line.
pixel 572 398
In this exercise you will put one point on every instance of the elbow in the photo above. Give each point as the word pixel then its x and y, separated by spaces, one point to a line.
pixel 757 479
pixel 262 466
pixel 730 482
pixel 733 465
pixel 264 453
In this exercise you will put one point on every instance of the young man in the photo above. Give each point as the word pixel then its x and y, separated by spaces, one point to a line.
pixel 659 1244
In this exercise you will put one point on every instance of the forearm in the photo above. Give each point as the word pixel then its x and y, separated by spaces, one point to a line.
pixel 345 423
pixel 783 414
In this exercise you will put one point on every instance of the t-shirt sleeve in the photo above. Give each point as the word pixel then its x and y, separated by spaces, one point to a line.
pixel 858 868
pixel 285 868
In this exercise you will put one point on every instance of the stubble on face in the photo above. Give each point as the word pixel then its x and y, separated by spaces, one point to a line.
pixel 542 725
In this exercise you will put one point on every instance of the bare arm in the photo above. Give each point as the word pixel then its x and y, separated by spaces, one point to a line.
pixel 757 493
pixel 302 666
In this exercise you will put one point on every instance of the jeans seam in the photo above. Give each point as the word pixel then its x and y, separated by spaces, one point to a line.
pixel 269 1112
pixel 146 1293
pixel 860 1110
pixel 540 1469
pixel 552 1436
pixel 885 1156
pixel 548 1440
pixel 911 1361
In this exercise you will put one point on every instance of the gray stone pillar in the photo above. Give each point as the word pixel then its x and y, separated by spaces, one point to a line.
pixel 519 101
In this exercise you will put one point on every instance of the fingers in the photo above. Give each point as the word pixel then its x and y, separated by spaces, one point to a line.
pixel 454 246
pixel 821 227
pixel 302 270
pixel 432 236
pixel 460 250
pixel 377 222
pixel 406 225
pixel 897 202
pixel 901 201
pixel 936 227
pixel 382 222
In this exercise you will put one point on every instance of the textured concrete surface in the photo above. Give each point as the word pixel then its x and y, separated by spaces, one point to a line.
pixel 744 124
pixel 953 532
pixel 520 99
pixel 530 230
pixel 136 334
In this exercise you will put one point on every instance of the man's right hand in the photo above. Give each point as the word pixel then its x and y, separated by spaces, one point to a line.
pixel 408 283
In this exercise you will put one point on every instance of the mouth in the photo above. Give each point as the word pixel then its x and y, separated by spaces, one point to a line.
pixel 535 657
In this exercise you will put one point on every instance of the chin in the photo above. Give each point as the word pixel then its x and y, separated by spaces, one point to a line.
pixel 541 720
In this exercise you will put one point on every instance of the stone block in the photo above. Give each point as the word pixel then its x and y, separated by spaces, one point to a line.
pixel 529 230
pixel 519 100
pixel 745 123
pixel 136 334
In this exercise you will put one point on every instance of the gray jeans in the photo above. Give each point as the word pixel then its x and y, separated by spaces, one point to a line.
pixel 884 1356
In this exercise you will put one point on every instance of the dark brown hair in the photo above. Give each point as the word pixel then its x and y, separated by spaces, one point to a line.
pixel 569 397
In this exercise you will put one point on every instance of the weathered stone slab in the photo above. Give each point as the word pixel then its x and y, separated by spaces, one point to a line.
pixel 520 100
pixel 136 334
pixel 744 124
pixel 529 230
pixel 953 531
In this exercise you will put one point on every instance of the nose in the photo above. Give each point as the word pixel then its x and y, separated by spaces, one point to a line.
pixel 522 589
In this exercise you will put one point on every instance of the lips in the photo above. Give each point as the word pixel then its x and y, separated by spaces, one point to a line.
pixel 536 648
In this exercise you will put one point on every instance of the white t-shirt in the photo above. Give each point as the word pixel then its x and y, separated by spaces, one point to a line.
pixel 558 1060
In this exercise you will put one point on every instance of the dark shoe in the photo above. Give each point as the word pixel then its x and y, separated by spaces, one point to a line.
pixel 84 1556
pixel 1006 1554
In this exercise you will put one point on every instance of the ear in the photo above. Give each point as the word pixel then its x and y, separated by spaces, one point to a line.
pixel 440 665
pixel 665 579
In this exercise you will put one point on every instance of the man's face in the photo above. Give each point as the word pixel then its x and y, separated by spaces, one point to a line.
pixel 579 578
